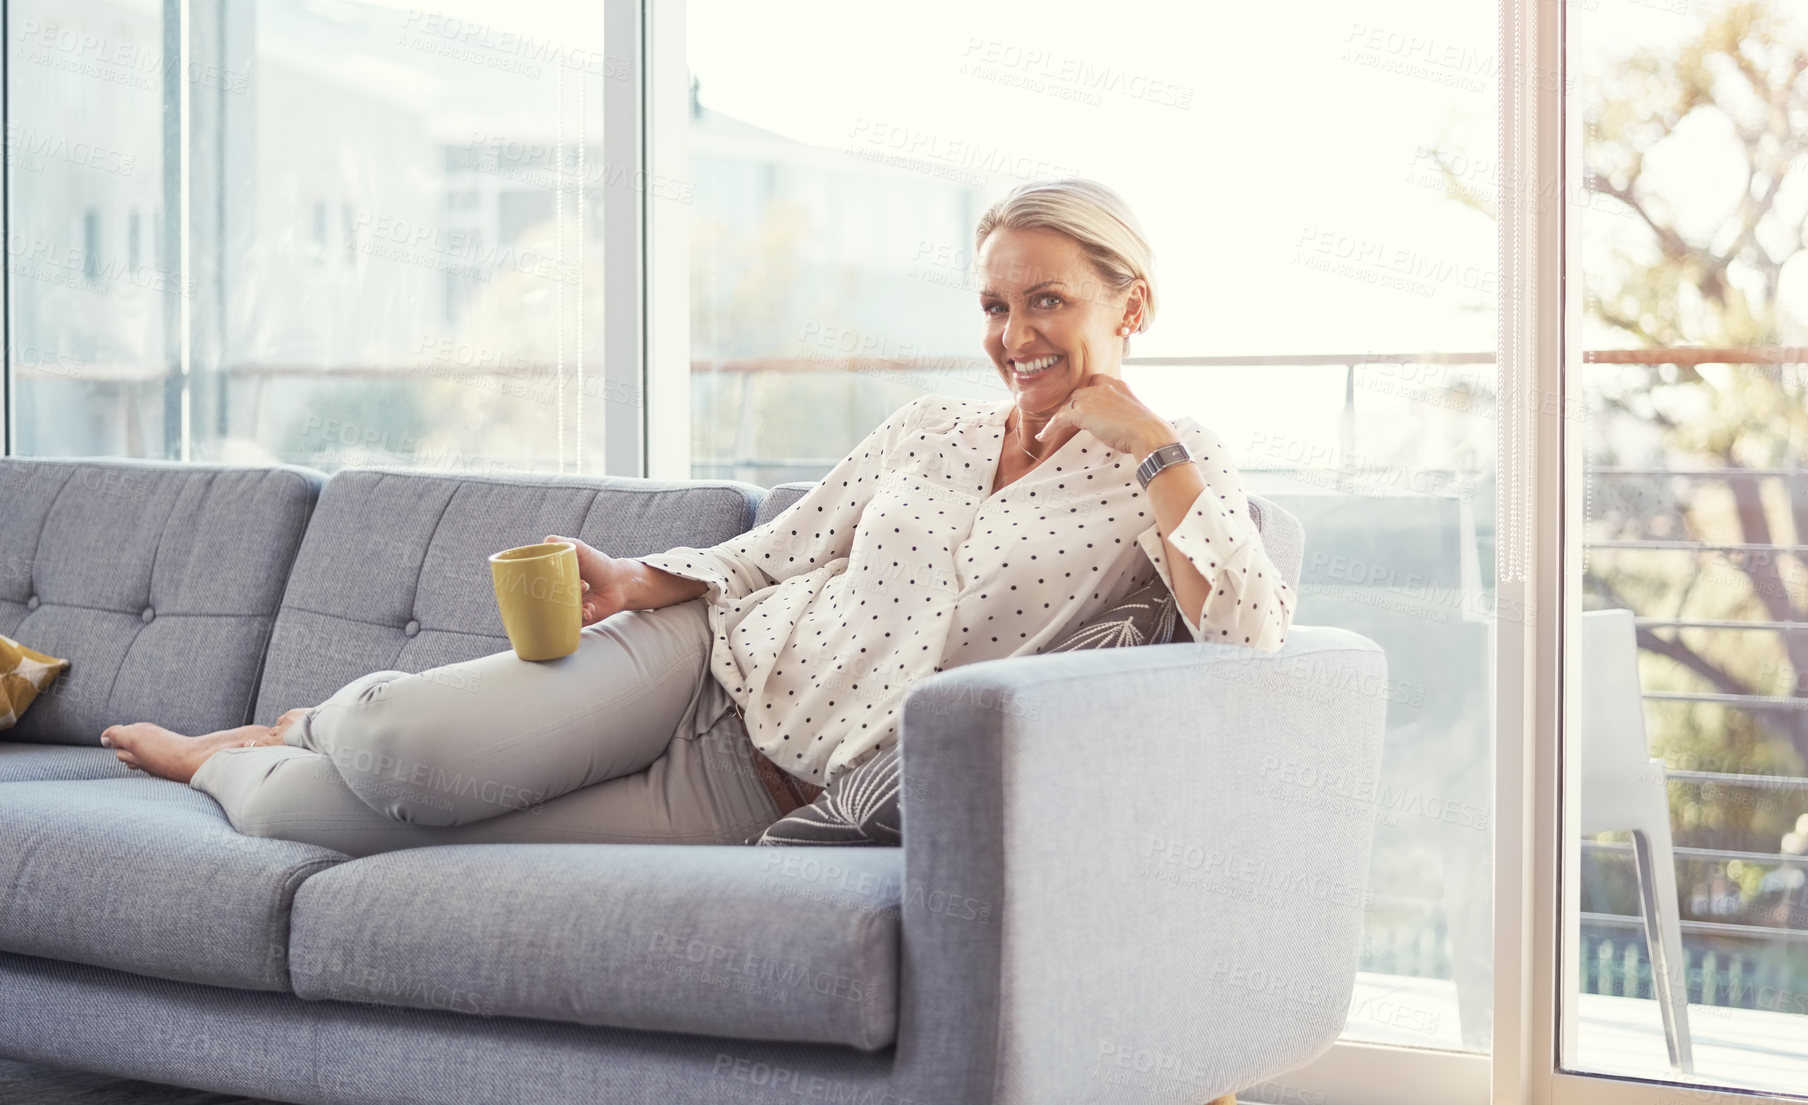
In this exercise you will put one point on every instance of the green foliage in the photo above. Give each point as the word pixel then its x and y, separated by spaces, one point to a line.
pixel 1701 154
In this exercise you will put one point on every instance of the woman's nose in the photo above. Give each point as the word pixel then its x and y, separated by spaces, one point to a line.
pixel 1017 337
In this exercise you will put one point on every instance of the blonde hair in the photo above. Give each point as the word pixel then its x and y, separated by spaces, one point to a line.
pixel 1092 215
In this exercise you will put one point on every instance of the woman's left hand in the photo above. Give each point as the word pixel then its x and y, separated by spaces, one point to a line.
pixel 1105 407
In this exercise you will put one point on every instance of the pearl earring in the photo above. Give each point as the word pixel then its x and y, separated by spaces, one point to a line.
pixel 1124 331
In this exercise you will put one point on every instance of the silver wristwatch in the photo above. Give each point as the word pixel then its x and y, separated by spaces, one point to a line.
pixel 1170 454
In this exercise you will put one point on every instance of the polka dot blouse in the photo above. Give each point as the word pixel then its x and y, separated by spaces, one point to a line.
pixel 901 562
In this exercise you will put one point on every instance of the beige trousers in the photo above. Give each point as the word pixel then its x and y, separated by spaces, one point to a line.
pixel 630 739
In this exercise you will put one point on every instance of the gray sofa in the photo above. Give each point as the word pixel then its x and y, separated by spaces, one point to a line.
pixel 1169 930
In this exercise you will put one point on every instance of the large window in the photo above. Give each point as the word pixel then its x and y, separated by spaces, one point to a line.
pixel 1687 928
pixel 326 233
pixel 1320 195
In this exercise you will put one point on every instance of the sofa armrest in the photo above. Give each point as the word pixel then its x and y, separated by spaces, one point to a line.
pixel 1135 873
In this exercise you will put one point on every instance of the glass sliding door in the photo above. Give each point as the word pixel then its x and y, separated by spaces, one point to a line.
pixel 1322 191
pixel 1685 929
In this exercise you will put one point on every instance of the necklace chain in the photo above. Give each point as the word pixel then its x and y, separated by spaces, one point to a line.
pixel 1020 444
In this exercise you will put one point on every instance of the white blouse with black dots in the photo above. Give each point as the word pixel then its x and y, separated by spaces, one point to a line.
pixel 900 563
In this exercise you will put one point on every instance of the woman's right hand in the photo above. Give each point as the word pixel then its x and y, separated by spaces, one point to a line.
pixel 602 581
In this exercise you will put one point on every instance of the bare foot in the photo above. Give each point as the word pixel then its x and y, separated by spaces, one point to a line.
pixel 167 754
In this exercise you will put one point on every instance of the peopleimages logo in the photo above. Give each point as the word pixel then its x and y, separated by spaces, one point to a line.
pixel 26 146
pixel 1064 76
pixel 118 61
pixel 1389 802
pixel 52 262
pixel 1116 1059
pixel 805 1087
pixel 783 974
pixel 549 165
pixel 461 252
pixel 1174 859
pixel 1405 262
pixel 1271 987
pixel 965 153
pixel 467 39
pixel 1420 57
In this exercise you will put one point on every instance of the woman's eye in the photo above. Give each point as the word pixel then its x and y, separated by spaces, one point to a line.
pixel 990 308
pixel 1050 300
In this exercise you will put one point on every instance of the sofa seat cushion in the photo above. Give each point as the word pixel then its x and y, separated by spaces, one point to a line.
pixel 146 876
pixel 21 763
pixel 718 940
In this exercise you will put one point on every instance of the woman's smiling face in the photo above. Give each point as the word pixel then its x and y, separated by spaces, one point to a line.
pixel 1051 321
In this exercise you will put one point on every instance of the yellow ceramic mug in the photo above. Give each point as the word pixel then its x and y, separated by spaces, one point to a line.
pixel 540 597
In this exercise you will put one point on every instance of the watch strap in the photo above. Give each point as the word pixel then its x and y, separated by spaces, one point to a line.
pixel 1172 453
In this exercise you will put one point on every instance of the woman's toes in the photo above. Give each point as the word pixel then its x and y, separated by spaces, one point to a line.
pixel 122 736
pixel 155 750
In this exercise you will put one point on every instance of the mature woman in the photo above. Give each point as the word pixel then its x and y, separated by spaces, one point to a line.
pixel 716 689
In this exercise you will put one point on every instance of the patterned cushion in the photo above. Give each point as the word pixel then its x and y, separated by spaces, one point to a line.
pixel 1146 616
pixel 860 807
pixel 24 673
pixel 863 806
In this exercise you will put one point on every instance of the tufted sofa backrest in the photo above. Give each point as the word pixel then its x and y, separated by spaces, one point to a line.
pixel 158 581
pixel 203 596
pixel 394 571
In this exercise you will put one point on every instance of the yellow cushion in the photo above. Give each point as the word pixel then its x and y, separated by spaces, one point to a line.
pixel 24 674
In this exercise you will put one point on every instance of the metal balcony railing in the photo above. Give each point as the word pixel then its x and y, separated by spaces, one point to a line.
pixel 1729 969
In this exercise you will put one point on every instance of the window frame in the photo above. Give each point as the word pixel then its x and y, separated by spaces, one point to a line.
pixel 7 433
pixel 1547 147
